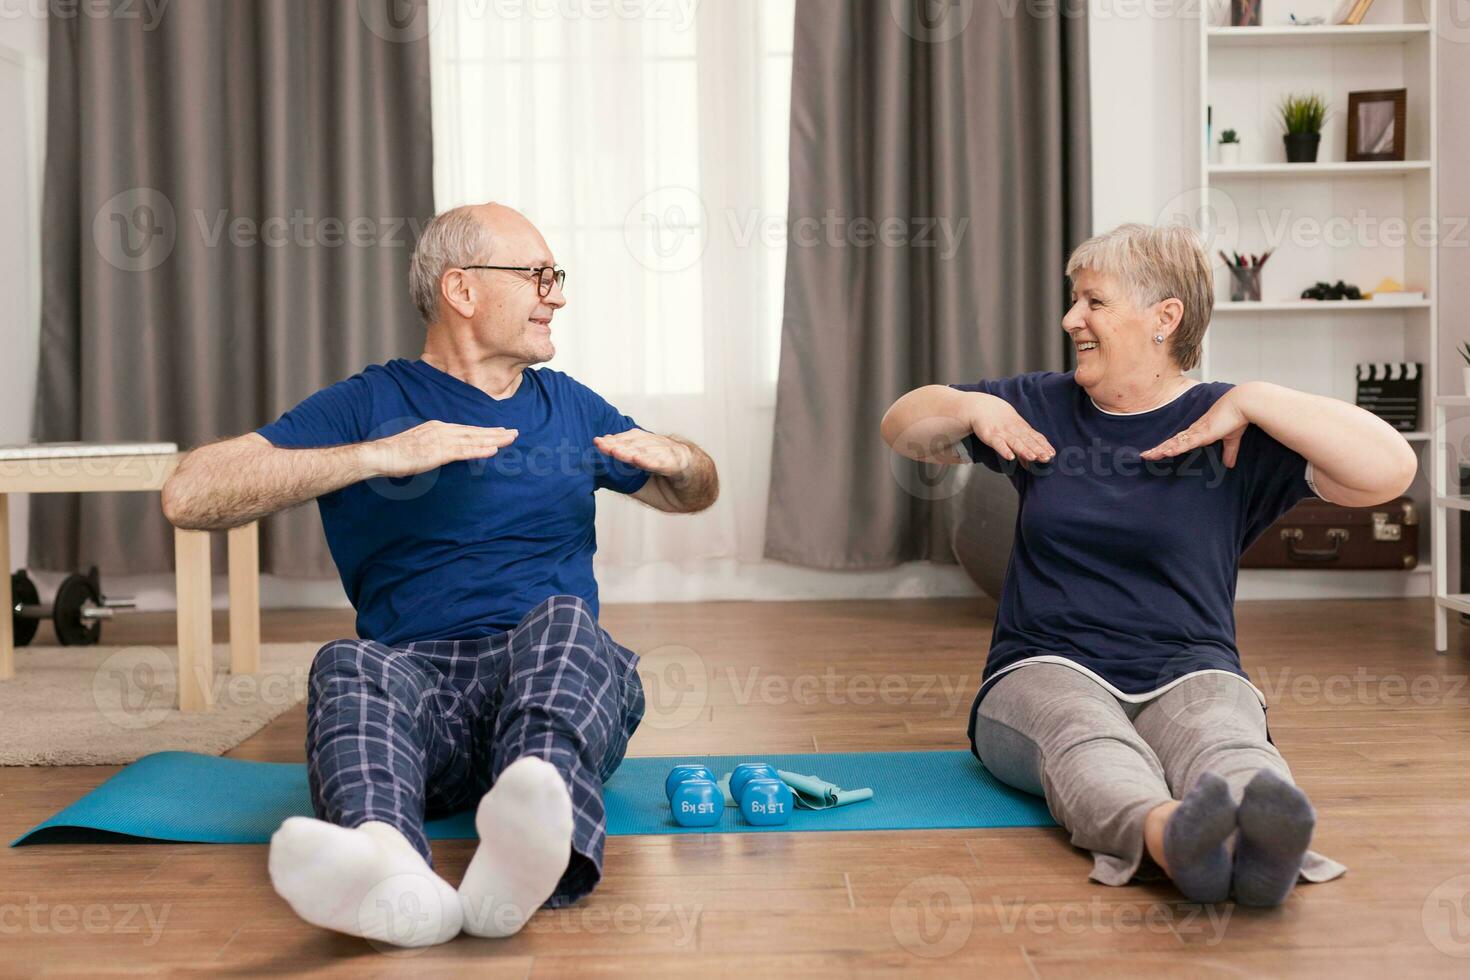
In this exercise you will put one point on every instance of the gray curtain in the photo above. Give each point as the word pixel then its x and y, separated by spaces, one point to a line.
pixel 969 126
pixel 231 194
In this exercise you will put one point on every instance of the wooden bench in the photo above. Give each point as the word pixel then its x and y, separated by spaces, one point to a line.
pixel 102 468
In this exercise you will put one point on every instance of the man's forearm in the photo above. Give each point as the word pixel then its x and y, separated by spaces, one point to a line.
pixel 230 483
pixel 694 489
pixel 1350 446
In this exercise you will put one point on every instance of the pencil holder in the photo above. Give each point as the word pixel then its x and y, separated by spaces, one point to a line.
pixel 1245 284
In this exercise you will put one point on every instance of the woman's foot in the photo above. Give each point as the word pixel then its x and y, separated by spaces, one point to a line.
pixel 365 881
pixel 1276 823
pixel 1195 837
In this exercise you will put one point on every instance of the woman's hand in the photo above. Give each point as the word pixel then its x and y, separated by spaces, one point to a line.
pixel 1224 422
pixel 997 424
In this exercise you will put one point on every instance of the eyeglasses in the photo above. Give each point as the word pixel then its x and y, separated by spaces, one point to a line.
pixel 545 275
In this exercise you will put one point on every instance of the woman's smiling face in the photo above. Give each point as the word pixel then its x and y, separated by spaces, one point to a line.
pixel 1110 335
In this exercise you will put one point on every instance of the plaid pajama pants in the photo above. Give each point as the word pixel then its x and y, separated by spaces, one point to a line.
pixel 401 734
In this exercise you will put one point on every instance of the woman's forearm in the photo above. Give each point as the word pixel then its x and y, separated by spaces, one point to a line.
pixel 926 423
pixel 1352 448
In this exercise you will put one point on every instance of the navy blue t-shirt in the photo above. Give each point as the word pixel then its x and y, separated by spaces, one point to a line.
pixel 1124 566
pixel 467 549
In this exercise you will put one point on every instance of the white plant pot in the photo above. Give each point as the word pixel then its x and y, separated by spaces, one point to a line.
pixel 1229 153
pixel 1467 379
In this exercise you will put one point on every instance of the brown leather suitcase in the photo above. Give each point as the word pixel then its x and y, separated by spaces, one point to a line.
pixel 1318 534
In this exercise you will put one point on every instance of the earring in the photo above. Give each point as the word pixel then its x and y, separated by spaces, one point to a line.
pixel 1158 338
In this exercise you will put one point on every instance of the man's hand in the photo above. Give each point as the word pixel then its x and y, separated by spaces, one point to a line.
pixel 649 451
pixel 1224 422
pixel 432 444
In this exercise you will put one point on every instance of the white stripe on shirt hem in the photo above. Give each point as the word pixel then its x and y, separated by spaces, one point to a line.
pixel 1121 696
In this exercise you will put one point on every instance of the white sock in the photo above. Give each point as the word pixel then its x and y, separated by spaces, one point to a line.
pixel 525 827
pixel 368 882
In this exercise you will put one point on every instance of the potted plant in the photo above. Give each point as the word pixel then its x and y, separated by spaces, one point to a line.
pixel 1229 147
pixel 1303 116
pixel 1464 351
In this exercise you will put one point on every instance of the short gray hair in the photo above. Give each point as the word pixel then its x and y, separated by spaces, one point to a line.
pixel 1154 264
pixel 454 238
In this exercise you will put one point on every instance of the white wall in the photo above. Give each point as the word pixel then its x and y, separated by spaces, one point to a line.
pixel 22 104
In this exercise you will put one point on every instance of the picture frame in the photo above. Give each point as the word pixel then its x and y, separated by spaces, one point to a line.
pixel 1376 123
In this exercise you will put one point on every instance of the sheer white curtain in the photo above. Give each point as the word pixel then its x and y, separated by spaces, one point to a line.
pixel 648 141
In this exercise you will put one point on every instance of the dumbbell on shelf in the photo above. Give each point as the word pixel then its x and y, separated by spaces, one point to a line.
pixel 76 612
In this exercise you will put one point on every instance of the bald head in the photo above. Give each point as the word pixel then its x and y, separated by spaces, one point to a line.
pixel 472 234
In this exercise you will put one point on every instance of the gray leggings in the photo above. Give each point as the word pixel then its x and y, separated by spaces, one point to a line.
pixel 1103 763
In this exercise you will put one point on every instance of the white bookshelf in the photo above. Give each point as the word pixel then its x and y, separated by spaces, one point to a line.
pixel 1332 220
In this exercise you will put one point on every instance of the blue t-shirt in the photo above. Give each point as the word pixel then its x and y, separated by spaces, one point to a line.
pixel 1124 566
pixel 467 549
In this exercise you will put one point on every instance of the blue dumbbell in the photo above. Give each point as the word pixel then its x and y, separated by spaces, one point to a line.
pixel 697 803
pixel 682 772
pixel 766 802
pixel 747 771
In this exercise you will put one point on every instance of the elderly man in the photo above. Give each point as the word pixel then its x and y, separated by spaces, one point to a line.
pixel 456 492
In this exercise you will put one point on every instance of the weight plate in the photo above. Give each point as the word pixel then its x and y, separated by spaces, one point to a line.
pixel 23 593
pixel 66 613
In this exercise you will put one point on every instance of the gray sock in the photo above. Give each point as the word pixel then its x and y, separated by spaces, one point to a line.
pixel 1276 823
pixel 1194 840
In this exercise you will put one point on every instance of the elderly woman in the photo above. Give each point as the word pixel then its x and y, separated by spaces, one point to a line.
pixel 1113 686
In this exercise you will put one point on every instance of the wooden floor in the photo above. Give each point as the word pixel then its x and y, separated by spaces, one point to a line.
pixel 1376 726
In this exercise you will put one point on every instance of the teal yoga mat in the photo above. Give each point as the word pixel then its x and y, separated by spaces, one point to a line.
pixel 183 796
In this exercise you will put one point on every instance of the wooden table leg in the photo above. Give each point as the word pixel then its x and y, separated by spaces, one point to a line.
pixel 244 545
pixel 196 629
pixel 7 601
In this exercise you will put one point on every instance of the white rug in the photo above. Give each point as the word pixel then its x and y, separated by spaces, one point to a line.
pixel 77 706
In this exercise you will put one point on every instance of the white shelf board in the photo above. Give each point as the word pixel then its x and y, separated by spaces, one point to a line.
pixel 1320 306
pixel 1315 35
pixel 1453 503
pixel 1453 401
pixel 1336 168
pixel 1458 603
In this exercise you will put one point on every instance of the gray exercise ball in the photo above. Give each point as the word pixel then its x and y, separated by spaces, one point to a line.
pixel 985 528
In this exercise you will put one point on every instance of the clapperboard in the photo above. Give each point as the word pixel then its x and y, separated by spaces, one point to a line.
pixel 1391 392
